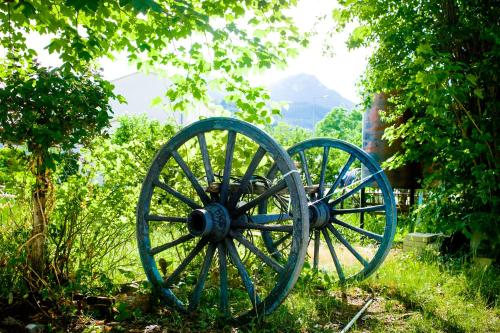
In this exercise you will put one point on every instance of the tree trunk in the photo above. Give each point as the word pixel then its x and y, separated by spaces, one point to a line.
pixel 40 195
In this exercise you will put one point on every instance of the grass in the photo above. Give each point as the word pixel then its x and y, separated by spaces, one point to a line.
pixel 441 298
pixel 412 294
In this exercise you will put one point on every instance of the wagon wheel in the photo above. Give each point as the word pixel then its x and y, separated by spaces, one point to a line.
pixel 352 217
pixel 197 228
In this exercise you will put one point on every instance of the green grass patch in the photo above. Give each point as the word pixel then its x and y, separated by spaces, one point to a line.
pixel 446 299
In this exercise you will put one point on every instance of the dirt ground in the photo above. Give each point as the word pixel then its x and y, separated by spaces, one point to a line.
pixel 15 317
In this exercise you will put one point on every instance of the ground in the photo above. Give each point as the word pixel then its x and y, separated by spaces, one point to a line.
pixel 411 294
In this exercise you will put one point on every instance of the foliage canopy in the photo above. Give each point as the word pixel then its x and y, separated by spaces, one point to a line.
pixel 440 60
pixel 51 108
pixel 342 124
pixel 50 112
pixel 194 42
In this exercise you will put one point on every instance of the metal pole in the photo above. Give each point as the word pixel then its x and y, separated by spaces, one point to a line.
pixel 363 202
pixel 356 317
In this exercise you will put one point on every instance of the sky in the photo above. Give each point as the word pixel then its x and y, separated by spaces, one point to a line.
pixel 339 71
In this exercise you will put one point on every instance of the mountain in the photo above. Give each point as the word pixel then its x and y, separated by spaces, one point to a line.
pixel 309 100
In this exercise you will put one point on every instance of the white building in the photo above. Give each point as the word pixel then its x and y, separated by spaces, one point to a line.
pixel 139 90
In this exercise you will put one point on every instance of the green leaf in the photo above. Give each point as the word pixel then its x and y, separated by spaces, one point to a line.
pixel 144 5
pixel 27 9
pixel 479 93
pixel 238 10
pixel 124 3
pixel 358 36
pixel 121 99
pixel 472 79
pixel 424 49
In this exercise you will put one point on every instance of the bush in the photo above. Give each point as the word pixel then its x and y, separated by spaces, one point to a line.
pixel 91 235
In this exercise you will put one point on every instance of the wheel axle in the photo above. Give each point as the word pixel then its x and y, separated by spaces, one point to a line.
pixel 319 215
pixel 212 221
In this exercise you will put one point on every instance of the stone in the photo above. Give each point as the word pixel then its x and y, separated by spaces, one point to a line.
pixel 418 241
pixel 143 302
pixel 152 329
pixel 35 328
pixel 129 288
pixel 421 237
pixel 99 300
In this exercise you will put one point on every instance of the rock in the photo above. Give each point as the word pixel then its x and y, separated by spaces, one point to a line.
pixel 129 288
pixel 99 300
pixel 114 327
pixel 113 323
pixel 100 306
pixel 35 328
pixel 419 242
pixel 152 329
pixel 143 302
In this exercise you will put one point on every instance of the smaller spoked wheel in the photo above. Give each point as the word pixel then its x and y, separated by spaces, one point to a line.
pixel 352 211
pixel 198 228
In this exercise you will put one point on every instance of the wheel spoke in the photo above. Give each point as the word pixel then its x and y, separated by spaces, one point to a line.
pixel 206 159
pixel 185 262
pixel 336 262
pixel 316 248
pixel 281 240
pixel 224 191
pixel 167 246
pixel 347 245
pixel 202 277
pixel 355 190
pixel 268 218
pixel 364 232
pixel 305 168
pixel 189 174
pixel 176 194
pixel 324 163
pixel 264 196
pixel 269 261
pixel 272 171
pixel 368 209
pixel 247 281
pixel 224 294
pixel 247 176
pixel 153 217
pixel 265 227
pixel 341 175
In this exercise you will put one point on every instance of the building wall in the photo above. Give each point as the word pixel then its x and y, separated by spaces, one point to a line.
pixel 139 90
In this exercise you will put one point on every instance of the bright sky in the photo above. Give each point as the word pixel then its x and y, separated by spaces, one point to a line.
pixel 339 71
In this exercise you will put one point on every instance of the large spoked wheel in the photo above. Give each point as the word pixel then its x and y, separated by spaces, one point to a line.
pixel 198 230
pixel 352 216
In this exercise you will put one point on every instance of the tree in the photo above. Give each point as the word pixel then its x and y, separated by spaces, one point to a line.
pixel 194 42
pixel 342 124
pixel 288 135
pixel 439 61
pixel 50 111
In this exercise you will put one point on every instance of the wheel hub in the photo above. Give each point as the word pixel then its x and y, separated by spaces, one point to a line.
pixel 212 221
pixel 319 214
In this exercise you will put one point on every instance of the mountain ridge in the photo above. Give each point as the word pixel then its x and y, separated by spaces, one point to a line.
pixel 309 100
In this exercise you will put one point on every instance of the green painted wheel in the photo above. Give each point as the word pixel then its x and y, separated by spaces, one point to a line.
pixel 352 218
pixel 198 228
